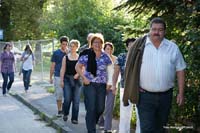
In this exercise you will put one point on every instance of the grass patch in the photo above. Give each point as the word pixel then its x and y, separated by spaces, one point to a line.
pixel 50 89
pixel 59 130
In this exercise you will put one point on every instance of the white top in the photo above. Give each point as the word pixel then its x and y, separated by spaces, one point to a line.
pixel 159 66
pixel 28 63
pixel 110 71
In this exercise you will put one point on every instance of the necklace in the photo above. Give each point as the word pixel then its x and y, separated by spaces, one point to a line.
pixel 73 57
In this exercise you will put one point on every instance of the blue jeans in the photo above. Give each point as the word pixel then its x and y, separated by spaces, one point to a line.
pixel 94 98
pixel 154 109
pixel 7 85
pixel 71 94
pixel 26 78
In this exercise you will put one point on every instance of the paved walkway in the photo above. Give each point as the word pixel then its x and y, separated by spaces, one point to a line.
pixel 44 103
pixel 15 117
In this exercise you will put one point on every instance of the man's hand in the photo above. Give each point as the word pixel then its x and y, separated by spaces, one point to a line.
pixel 180 99
pixel 62 84
pixel 181 84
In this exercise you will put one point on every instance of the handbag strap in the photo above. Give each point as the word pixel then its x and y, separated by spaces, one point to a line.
pixel 25 58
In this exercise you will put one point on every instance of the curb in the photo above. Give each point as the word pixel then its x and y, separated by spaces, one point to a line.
pixel 42 115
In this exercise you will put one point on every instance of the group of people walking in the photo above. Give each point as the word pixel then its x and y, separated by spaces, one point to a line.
pixel 8 68
pixel 147 80
pixel 147 71
pixel 95 67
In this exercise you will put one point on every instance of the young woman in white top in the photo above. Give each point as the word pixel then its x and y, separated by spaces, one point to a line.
pixel 27 66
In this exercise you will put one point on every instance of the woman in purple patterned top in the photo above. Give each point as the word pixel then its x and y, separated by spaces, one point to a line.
pixel 94 79
pixel 7 62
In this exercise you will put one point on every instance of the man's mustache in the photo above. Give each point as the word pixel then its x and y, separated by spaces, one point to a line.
pixel 156 35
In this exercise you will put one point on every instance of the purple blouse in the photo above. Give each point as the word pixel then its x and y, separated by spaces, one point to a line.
pixel 102 62
pixel 7 62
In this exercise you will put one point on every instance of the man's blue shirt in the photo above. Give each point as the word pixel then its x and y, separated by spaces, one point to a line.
pixel 57 58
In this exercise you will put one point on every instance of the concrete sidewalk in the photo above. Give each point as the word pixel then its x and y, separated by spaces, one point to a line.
pixel 18 118
pixel 44 103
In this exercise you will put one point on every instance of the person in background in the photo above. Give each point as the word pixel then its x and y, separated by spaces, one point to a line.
pixel 17 53
pixel 27 65
pixel 69 81
pixel 125 111
pixel 56 63
pixel 110 96
pixel 150 75
pixel 84 47
pixel 89 36
pixel 15 50
pixel 7 65
pixel 94 79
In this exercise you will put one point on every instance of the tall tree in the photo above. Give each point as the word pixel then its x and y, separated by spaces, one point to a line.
pixel 5 7
pixel 20 19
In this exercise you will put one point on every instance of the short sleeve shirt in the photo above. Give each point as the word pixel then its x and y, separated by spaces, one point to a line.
pixel 159 66
pixel 102 62
pixel 121 60
pixel 57 58
pixel 7 62
pixel 28 63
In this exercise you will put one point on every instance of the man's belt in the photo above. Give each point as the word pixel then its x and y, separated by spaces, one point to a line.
pixel 145 91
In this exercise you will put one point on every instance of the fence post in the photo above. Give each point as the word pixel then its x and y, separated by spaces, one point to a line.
pixel 20 44
pixel 52 45
pixel 42 65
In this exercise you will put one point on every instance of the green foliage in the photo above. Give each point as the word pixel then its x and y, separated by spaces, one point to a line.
pixel 20 18
pixel 78 18
pixel 50 89
pixel 135 26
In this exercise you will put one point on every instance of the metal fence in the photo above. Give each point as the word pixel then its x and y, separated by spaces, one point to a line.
pixel 42 50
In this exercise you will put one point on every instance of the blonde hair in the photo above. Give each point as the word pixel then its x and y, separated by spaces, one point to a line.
pixel 75 42
pixel 96 35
